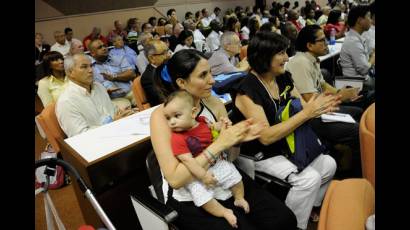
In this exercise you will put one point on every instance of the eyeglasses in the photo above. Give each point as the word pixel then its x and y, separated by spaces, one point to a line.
pixel 165 52
pixel 101 46
pixel 321 40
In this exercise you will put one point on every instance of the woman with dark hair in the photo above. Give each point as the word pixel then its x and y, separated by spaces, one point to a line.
pixel 253 25
pixel 162 22
pixel 310 16
pixel 333 22
pixel 259 96
pixel 185 41
pixel 54 80
pixel 233 24
pixel 189 70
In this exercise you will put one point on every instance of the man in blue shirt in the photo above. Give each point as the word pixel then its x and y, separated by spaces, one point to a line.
pixel 113 72
pixel 123 51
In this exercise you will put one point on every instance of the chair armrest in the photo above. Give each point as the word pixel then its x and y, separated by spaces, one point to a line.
pixel 160 210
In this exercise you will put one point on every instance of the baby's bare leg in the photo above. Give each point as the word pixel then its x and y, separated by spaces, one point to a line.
pixel 216 209
pixel 239 195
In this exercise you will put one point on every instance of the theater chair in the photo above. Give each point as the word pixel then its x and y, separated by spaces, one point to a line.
pixel 347 205
pixel 150 206
pixel 139 94
pixel 367 143
pixel 48 126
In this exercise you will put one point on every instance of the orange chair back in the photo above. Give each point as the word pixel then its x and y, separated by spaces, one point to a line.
pixel 367 143
pixel 244 52
pixel 47 119
pixel 139 94
pixel 347 205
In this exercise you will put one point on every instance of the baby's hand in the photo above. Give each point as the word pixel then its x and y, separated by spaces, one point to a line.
pixel 209 180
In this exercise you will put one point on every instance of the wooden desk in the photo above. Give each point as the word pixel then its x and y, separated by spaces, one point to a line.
pixel 111 160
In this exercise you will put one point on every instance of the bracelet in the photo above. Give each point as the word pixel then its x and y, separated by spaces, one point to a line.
pixel 210 160
pixel 212 155
pixel 114 75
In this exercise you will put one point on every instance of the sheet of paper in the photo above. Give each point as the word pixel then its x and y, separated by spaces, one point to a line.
pixel 337 117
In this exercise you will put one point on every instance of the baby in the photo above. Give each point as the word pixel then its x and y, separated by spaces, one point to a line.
pixel 191 136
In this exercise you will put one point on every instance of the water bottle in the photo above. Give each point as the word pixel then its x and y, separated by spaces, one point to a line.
pixel 332 40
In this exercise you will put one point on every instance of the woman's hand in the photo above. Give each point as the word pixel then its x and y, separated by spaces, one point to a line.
pixel 245 130
pixel 320 104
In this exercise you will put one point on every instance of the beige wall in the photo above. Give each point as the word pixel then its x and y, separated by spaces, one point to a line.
pixel 182 6
pixel 82 24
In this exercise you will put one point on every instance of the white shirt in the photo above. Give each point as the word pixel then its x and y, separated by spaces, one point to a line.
pixel 78 111
pixel 182 47
pixel 370 39
pixel 142 62
pixel 63 49
pixel 206 21
pixel 245 33
pixel 213 40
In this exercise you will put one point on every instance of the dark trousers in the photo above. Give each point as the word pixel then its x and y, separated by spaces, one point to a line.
pixel 333 133
pixel 266 212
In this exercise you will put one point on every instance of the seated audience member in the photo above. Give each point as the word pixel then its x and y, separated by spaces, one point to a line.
pixel 333 22
pixel 61 44
pixel 172 16
pixel 293 17
pixel 76 47
pixel 180 112
pixel 142 60
pixel 323 18
pixel 173 39
pixel 258 97
pixel 310 16
pixel 224 60
pixel 253 25
pixel 133 27
pixel 40 48
pixel 199 38
pixel 215 14
pixel 157 53
pixel 233 25
pixel 308 79
pixel 185 40
pixel 188 70
pixel 117 31
pixel 206 19
pixel 146 27
pixel 355 58
pixel 162 22
pixel 276 23
pixel 245 30
pixel 189 15
pixel 84 104
pixel 290 32
pixel 122 50
pixel 369 35
pixel 54 80
pixel 168 30
pixel 114 73
pixel 153 21
pixel 95 34
pixel 69 35
pixel 213 38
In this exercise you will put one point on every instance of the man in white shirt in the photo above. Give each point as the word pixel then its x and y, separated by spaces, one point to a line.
pixel 84 104
pixel 213 38
pixel 142 60
pixel 224 60
pixel 215 14
pixel 206 18
pixel 61 45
